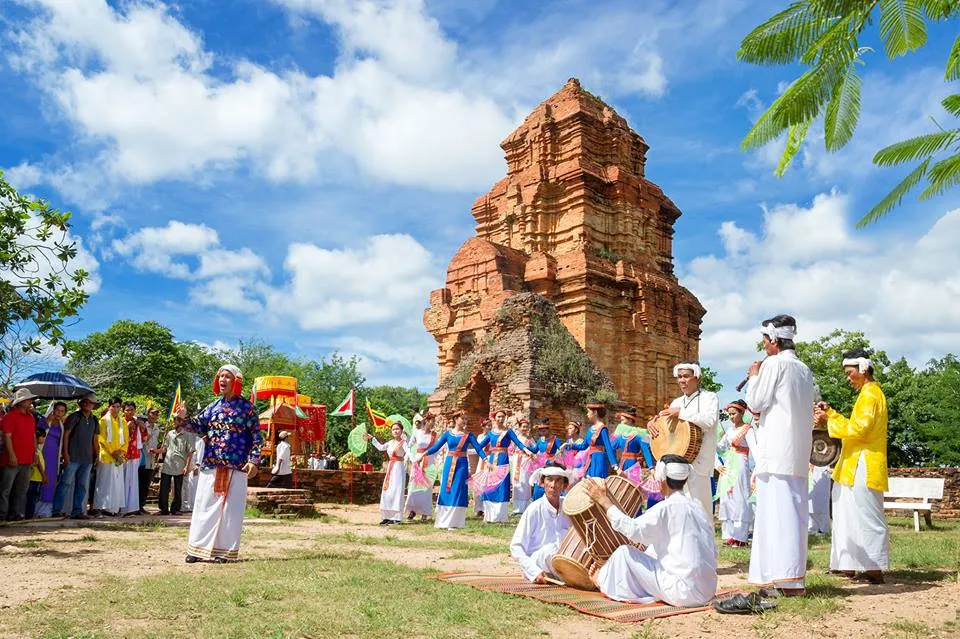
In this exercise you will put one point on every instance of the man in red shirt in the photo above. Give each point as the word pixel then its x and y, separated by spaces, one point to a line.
pixel 19 446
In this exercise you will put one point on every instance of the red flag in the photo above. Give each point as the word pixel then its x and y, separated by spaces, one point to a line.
pixel 345 409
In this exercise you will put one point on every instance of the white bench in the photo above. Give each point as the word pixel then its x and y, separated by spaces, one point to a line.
pixel 923 488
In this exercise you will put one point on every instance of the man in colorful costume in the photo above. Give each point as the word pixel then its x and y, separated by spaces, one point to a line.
pixel 679 565
pixel 860 540
pixel 781 389
pixel 231 455
pixel 701 408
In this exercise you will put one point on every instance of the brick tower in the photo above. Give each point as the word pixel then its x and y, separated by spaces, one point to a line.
pixel 576 221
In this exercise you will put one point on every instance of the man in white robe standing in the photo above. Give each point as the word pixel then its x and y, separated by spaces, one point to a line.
pixel 679 565
pixel 701 408
pixel 781 389
pixel 542 525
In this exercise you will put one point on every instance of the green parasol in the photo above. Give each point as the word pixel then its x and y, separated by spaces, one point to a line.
pixel 407 426
pixel 355 441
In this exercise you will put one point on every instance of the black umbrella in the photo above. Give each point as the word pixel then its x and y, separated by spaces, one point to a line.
pixel 56 386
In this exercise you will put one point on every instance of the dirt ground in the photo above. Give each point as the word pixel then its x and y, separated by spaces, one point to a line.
pixel 46 558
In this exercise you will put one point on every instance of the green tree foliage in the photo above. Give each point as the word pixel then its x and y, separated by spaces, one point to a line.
pixel 823 36
pixel 37 287
pixel 131 358
pixel 397 400
pixel 922 405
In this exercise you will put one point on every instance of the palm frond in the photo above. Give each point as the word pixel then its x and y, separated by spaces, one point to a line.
pixel 841 33
pixel 795 137
pixel 952 104
pixel 940 9
pixel 953 61
pixel 786 36
pixel 943 175
pixel 902 26
pixel 895 196
pixel 843 110
pixel 922 146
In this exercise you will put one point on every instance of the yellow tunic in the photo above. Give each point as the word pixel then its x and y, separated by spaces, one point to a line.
pixel 865 432
pixel 110 438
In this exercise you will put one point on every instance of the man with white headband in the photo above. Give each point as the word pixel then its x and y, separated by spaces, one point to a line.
pixel 701 408
pixel 542 525
pixel 231 431
pixel 860 541
pixel 781 389
pixel 679 566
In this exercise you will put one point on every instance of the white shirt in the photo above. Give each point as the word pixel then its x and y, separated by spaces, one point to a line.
pixel 282 465
pixel 541 524
pixel 783 393
pixel 703 409
pixel 677 534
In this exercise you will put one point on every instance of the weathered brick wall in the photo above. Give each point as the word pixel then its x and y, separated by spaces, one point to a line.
pixel 341 486
pixel 949 506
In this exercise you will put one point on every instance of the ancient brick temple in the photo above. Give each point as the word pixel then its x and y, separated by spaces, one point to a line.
pixel 576 221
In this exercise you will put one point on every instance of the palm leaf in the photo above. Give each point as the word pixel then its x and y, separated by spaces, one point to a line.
pixel 943 175
pixel 901 26
pixel 922 146
pixel 939 9
pixel 794 139
pixel 952 104
pixel 894 197
pixel 953 61
pixel 843 110
pixel 785 36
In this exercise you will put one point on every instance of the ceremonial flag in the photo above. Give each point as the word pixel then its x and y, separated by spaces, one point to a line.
pixel 376 417
pixel 176 402
pixel 345 409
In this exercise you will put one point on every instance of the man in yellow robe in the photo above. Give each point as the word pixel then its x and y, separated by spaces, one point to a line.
pixel 860 544
pixel 108 495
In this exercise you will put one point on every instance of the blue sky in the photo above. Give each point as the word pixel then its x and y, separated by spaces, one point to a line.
pixel 302 170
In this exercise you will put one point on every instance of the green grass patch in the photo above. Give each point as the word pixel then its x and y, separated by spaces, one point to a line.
pixel 909 629
pixel 252 512
pixel 461 549
pixel 319 594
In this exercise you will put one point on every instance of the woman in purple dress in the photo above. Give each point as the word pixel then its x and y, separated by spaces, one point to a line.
pixel 52 447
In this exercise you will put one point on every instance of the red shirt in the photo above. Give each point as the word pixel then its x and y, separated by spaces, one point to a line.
pixel 22 428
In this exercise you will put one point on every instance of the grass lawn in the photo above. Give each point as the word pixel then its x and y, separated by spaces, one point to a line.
pixel 303 595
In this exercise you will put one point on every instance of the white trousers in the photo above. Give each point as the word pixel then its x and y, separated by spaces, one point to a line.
pixel 634 576
pixel 420 502
pixel 108 495
pixel 698 487
pixel 450 517
pixel 739 530
pixel 217 520
pixel 496 511
pixel 131 486
pixel 779 553
pixel 860 539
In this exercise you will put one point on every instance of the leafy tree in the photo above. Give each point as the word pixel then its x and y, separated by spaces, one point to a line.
pixel 935 411
pixel 38 287
pixel 397 400
pixel 825 37
pixel 131 358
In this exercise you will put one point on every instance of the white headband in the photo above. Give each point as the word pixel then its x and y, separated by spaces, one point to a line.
pixel 673 470
pixel 773 332
pixel 862 363
pixel 549 471
pixel 689 367
pixel 230 368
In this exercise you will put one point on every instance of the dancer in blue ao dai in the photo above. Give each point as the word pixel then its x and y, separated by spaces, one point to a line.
pixel 451 510
pixel 600 459
pixel 496 496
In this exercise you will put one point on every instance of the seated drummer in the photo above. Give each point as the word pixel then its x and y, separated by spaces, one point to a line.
pixel 679 565
pixel 543 524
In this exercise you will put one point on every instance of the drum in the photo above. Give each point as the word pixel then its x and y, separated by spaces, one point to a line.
pixel 573 563
pixel 590 521
pixel 676 437
pixel 825 449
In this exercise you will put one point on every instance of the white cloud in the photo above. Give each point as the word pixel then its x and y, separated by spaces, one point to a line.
pixel 384 280
pixel 24 176
pixel 805 261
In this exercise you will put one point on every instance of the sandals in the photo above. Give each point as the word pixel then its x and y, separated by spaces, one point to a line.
pixel 751 604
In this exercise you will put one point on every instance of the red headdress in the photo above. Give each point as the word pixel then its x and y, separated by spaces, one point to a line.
pixel 237 379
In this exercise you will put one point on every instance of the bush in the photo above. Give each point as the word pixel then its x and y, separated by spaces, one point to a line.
pixel 349 461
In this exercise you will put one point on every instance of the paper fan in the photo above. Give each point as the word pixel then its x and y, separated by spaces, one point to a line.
pixel 355 441
pixel 407 426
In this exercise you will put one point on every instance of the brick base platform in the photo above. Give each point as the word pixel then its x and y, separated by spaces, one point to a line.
pixel 281 501
pixel 333 486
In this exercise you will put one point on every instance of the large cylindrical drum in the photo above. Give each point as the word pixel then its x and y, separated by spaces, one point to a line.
pixel 676 437
pixel 590 520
